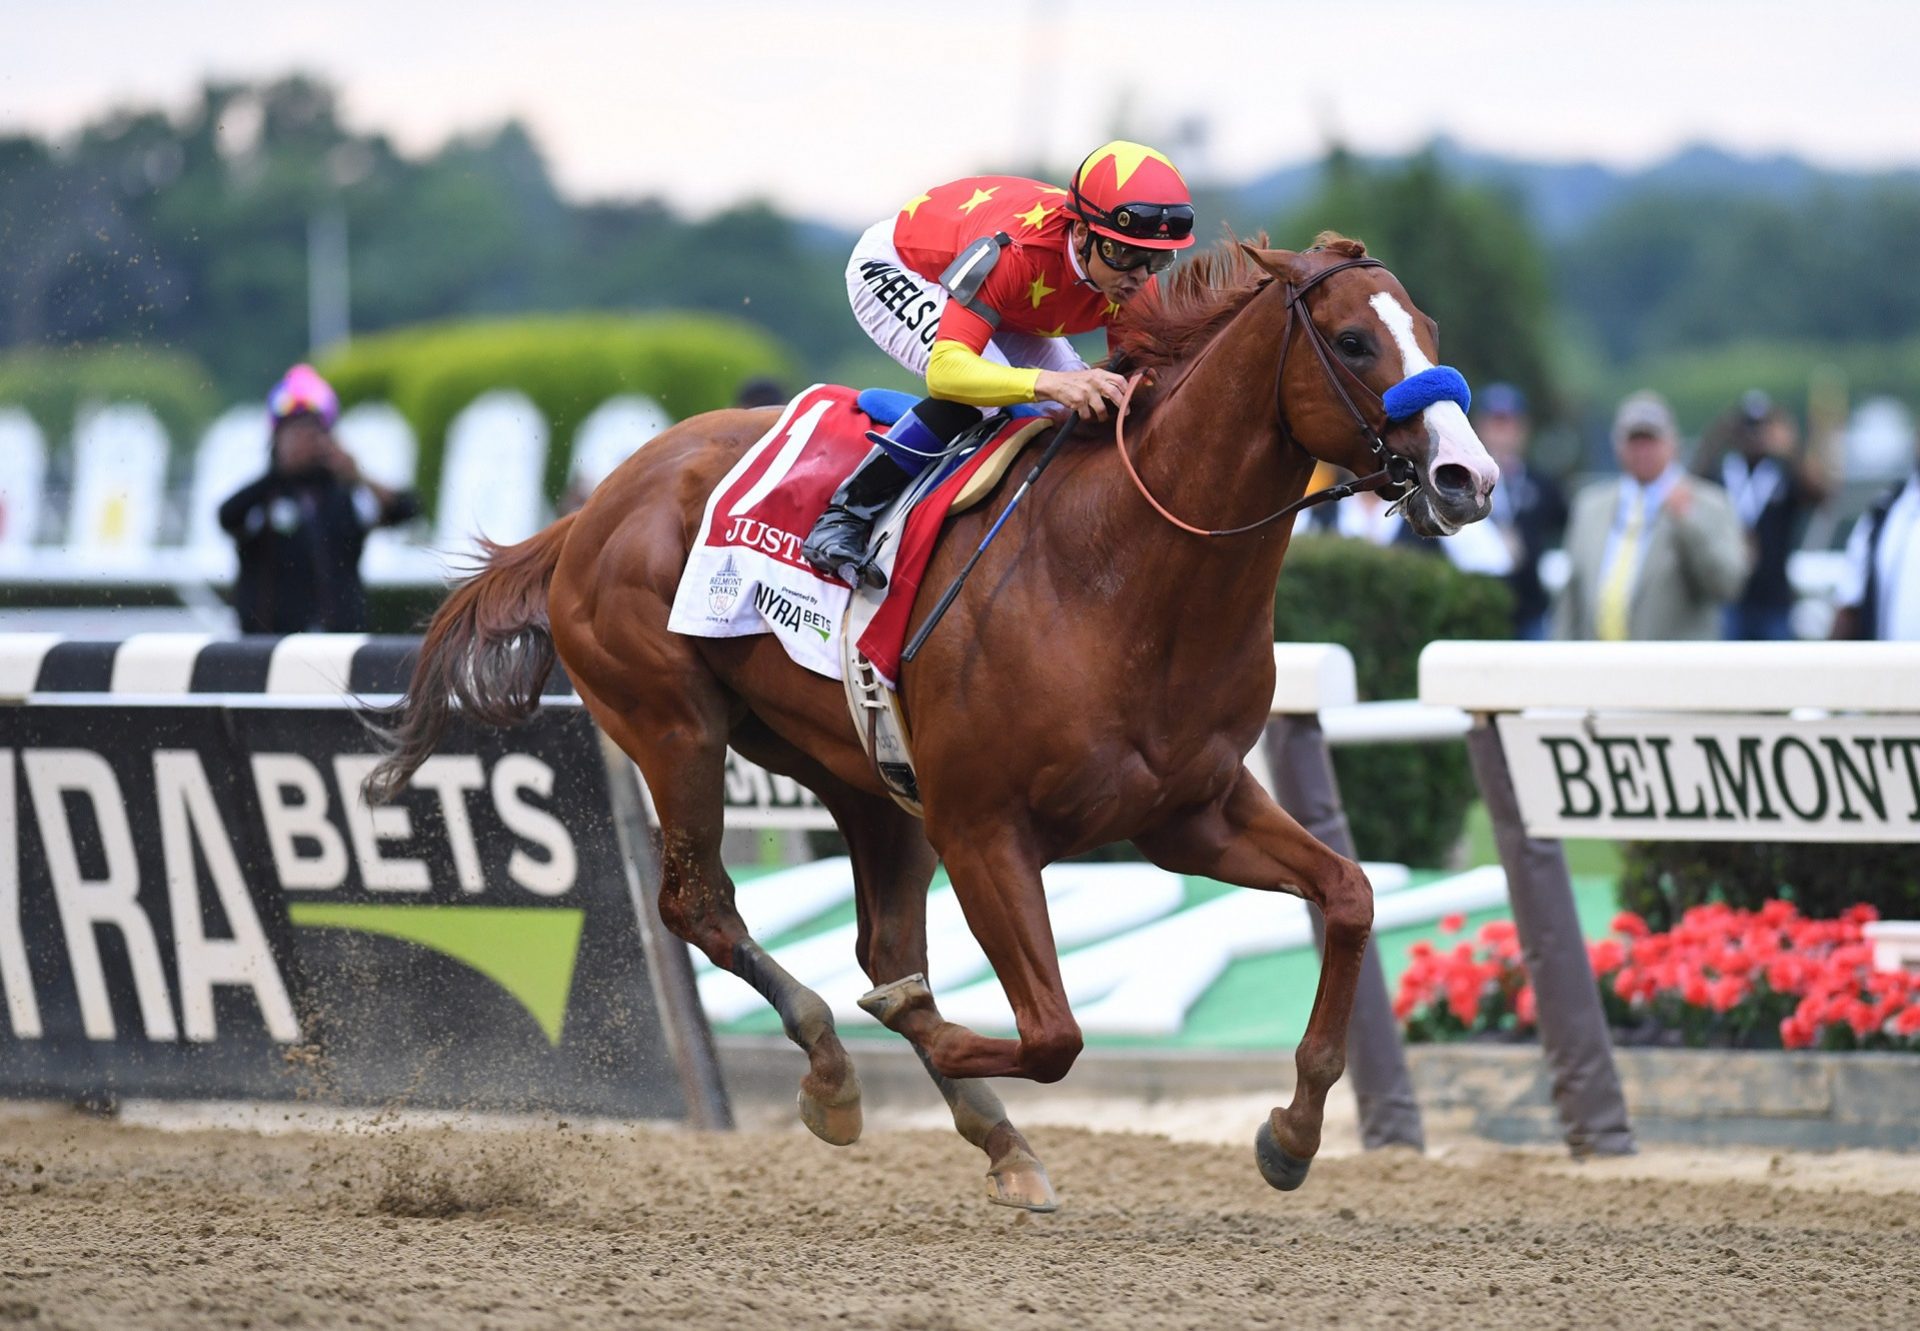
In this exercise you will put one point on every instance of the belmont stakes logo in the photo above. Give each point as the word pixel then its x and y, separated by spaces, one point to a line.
pixel 1717 778
pixel 723 589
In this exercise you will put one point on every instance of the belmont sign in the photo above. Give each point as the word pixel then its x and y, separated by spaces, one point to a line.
pixel 1687 777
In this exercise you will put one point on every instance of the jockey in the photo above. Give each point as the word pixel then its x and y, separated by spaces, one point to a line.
pixel 976 285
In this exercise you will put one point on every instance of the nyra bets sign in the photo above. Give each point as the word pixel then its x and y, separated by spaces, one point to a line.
pixel 1666 777
pixel 195 901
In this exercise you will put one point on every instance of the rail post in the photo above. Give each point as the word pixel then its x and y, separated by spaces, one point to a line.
pixel 1573 1026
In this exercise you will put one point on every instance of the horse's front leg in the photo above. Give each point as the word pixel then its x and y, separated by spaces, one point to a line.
pixel 1245 838
pixel 892 865
pixel 996 879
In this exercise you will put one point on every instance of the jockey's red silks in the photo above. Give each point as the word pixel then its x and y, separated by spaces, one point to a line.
pixel 1034 288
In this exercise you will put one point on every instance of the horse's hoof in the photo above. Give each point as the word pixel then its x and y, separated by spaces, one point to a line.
pixel 836 1121
pixel 1019 1179
pixel 1284 1171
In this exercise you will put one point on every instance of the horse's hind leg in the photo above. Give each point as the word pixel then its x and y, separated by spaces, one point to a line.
pixel 1015 1176
pixel 681 747
pixel 892 865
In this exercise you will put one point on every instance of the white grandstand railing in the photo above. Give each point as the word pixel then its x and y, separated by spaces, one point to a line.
pixel 62 567
pixel 1490 677
pixel 1815 574
pixel 1896 944
pixel 396 561
pixel 1398 721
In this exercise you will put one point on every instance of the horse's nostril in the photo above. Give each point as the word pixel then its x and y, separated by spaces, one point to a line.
pixel 1453 481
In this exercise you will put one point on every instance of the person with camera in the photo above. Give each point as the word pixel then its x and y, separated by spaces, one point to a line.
pixel 301 527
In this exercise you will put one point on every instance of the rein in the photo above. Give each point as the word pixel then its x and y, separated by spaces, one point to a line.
pixel 1395 471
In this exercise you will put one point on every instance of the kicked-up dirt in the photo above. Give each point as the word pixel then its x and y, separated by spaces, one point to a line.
pixel 105 1224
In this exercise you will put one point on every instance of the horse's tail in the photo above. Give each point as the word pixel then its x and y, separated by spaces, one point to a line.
pixel 488 649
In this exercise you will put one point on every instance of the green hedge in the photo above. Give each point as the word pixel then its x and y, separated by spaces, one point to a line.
pixel 567 365
pixel 1661 879
pixel 53 384
pixel 1405 802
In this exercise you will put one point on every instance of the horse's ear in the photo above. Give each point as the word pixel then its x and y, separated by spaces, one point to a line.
pixel 1277 262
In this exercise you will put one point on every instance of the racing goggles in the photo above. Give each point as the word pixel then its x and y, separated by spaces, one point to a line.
pixel 1125 258
pixel 1152 221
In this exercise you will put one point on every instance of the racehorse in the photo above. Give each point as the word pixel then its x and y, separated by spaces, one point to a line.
pixel 1100 678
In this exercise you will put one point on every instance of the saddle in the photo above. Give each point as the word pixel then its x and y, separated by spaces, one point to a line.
pixel 887 405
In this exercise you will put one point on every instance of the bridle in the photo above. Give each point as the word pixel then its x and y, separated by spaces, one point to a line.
pixel 1394 471
pixel 1396 478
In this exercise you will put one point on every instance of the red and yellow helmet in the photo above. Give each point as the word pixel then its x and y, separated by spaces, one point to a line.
pixel 1133 194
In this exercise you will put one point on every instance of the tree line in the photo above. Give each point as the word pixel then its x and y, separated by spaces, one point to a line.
pixel 188 233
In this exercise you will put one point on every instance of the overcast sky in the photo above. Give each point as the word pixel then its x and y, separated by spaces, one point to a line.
pixel 841 108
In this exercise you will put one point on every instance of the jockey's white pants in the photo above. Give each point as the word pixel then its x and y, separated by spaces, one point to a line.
pixel 901 310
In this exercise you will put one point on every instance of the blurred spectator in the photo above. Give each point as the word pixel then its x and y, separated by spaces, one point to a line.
pixel 301 527
pixel 1529 512
pixel 1753 451
pixel 1656 555
pixel 1881 595
pixel 761 392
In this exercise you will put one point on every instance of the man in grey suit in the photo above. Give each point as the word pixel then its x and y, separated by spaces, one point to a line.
pixel 1658 554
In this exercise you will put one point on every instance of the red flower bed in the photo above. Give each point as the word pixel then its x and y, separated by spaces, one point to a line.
pixel 1734 978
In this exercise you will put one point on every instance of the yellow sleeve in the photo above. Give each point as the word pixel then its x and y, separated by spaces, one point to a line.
pixel 955 373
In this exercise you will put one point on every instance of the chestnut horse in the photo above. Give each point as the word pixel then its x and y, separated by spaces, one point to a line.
pixel 1100 678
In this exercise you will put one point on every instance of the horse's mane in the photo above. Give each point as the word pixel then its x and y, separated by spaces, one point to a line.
pixel 1180 315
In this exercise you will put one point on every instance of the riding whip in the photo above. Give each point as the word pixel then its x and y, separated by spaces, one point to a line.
pixel 953 589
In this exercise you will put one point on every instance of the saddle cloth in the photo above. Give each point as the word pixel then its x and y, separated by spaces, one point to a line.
pixel 745 574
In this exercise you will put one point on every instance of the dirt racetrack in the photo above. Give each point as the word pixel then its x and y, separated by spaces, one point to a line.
pixel 104 1224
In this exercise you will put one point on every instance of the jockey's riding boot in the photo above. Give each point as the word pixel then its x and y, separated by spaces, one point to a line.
pixel 837 545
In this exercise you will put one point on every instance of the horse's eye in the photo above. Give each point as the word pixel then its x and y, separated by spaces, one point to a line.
pixel 1351 345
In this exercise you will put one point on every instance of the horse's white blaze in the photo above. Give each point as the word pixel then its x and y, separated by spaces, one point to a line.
pixel 1400 324
pixel 1453 438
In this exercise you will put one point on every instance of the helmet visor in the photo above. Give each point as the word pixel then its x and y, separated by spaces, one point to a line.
pixel 1152 221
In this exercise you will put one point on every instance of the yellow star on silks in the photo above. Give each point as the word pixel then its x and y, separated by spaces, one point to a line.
pixel 1036 215
pixel 1113 308
pixel 911 206
pixel 980 196
pixel 1051 189
pixel 1061 331
pixel 1039 291
pixel 1127 158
